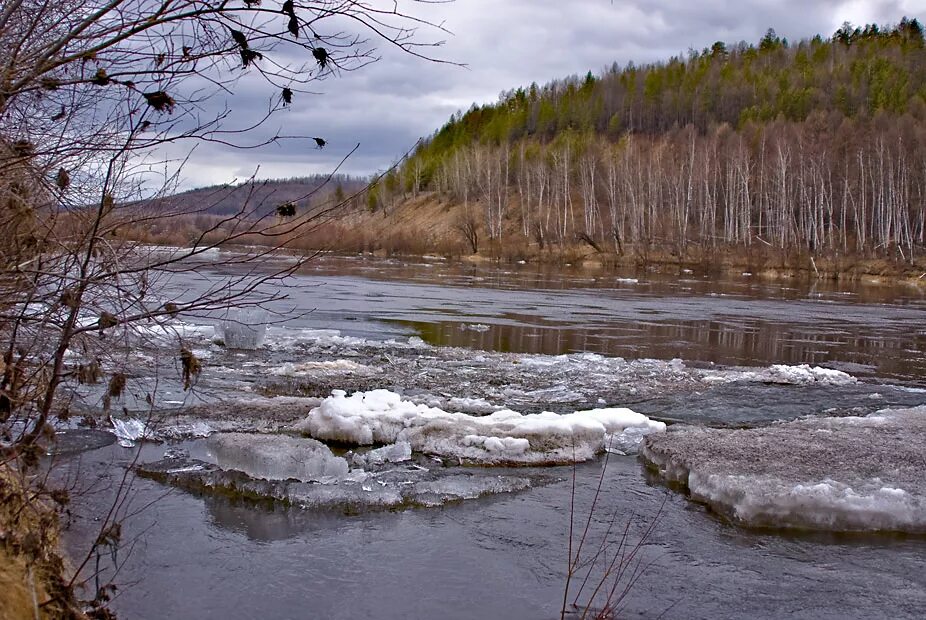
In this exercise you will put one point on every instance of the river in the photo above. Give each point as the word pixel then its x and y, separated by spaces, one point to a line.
pixel 530 339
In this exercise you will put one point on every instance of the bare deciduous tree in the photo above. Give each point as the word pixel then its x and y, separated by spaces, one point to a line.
pixel 90 92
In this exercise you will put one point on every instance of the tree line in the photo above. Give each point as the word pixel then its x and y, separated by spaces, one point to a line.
pixel 816 147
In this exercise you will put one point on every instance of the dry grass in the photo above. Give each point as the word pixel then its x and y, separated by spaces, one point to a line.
pixel 428 224
pixel 32 572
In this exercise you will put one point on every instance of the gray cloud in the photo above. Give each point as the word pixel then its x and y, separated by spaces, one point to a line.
pixel 387 106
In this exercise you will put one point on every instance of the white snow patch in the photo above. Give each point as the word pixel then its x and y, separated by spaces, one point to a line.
pixel 803 374
pixel 505 436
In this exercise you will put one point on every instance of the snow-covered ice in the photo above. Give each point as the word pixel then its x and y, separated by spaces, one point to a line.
pixel 506 436
pixel 304 369
pixel 401 486
pixel 802 374
pixel 839 474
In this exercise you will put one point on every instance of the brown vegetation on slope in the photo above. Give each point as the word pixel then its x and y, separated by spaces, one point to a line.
pixel 32 583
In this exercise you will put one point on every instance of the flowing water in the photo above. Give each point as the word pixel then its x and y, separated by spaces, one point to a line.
pixel 505 556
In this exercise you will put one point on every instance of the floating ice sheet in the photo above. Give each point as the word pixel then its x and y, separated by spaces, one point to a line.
pixel 837 474
pixel 325 367
pixel 399 487
pixel 381 416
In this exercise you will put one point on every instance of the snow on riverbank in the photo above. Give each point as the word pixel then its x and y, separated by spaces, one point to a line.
pixel 381 416
pixel 836 474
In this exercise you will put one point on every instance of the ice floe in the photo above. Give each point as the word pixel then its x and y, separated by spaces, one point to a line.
pixel 384 417
pixel 400 486
pixel 311 368
pixel 475 327
pixel 283 339
pixel 837 474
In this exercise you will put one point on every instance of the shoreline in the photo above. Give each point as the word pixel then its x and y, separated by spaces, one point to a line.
pixel 875 272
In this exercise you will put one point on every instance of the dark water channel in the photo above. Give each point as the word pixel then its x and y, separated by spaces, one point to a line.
pixel 506 556
pixel 869 330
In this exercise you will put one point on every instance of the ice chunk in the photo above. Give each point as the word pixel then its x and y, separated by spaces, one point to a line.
pixel 471 405
pixel 244 330
pixel 195 428
pixel 129 431
pixel 475 327
pixel 844 474
pixel 803 374
pixel 382 416
pixel 277 457
pixel 626 441
pixel 168 331
pixel 393 453
pixel 398 488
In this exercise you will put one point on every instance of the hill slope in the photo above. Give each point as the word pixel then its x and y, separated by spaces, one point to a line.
pixel 811 148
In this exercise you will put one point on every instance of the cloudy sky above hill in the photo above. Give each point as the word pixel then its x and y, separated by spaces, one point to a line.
pixel 504 44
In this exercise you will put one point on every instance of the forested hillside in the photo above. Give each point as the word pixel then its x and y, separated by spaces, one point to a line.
pixel 817 147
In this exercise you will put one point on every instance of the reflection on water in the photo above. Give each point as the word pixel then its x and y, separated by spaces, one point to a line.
pixel 873 330
pixel 854 349
pixel 502 557
pixel 263 524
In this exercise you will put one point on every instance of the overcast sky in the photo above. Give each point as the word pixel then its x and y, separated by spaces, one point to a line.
pixel 387 106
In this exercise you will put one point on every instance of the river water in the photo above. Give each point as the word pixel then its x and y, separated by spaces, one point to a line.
pixel 506 556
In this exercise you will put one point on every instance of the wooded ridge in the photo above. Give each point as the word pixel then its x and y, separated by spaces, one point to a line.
pixel 817 148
